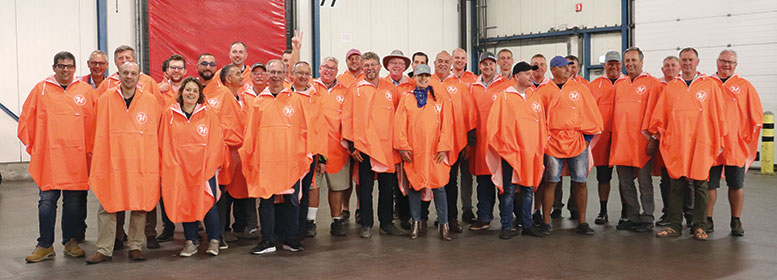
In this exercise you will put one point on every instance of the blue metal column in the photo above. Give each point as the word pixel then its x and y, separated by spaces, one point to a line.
pixel 586 55
pixel 102 25
pixel 316 38
pixel 474 34
pixel 625 28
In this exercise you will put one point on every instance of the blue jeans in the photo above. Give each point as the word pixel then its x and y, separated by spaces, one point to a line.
pixel 577 165
pixel 288 215
pixel 72 218
pixel 304 203
pixel 211 219
pixel 386 183
pixel 486 192
pixel 507 200
pixel 440 203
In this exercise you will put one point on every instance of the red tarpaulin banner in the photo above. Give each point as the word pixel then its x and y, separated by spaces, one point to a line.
pixel 194 27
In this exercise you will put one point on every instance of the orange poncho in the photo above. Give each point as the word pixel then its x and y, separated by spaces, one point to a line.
pixel 691 125
pixel 192 150
pixel 629 145
pixel 425 132
pixel 57 126
pixel 368 116
pixel 125 162
pixel 518 134
pixel 603 92
pixel 464 114
pixel 483 100
pixel 231 118
pixel 571 112
pixel 145 82
pixel 744 117
pixel 275 154
pixel 332 101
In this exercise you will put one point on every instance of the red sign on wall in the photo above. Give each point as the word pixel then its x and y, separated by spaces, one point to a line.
pixel 579 7
pixel 194 27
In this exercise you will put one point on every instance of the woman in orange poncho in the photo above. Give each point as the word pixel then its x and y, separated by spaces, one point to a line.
pixel 192 150
pixel 423 135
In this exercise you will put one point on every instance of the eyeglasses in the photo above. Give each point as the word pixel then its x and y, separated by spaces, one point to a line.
pixel 97 63
pixel 276 72
pixel 727 61
pixel 178 67
pixel 395 63
pixel 206 64
pixel 65 66
pixel 329 68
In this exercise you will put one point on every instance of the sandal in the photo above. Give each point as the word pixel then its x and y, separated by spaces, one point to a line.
pixel 700 234
pixel 669 232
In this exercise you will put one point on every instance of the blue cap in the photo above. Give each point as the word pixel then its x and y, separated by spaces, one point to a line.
pixel 559 61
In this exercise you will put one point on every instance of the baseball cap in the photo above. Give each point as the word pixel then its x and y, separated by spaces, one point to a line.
pixel 523 66
pixel 422 69
pixel 352 52
pixel 487 55
pixel 612 55
pixel 559 61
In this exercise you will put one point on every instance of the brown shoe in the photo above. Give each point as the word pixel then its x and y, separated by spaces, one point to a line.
pixel 98 258
pixel 424 226
pixel 72 249
pixel 479 225
pixel 40 254
pixel 445 232
pixel 136 255
pixel 455 227
pixel 152 243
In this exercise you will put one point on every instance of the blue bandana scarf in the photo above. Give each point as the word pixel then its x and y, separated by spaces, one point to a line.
pixel 421 95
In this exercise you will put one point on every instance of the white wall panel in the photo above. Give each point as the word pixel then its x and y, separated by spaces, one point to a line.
pixel 511 17
pixel 121 27
pixel 382 26
pixel 33 31
pixel 748 27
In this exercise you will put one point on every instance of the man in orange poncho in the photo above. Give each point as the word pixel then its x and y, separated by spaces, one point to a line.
pixel 125 163
pixel 628 149
pixel 484 91
pixel 538 77
pixel 275 157
pixel 517 136
pixel 352 74
pixel 57 126
pixel 744 117
pixel 574 68
pixel 447 85
pixel 602 89
pixel 396 63
pixel 121 55
pixel 338 168
pixel 224 101
pixel 368 115
pixel 467 78
pixel 238 53
pixel 423 135
pixel 176 71
pixel 671 70
pixel 573 119
pixel 98 63
pixel 689 122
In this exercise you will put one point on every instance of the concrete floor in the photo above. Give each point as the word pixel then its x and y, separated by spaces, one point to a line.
pixel 608 254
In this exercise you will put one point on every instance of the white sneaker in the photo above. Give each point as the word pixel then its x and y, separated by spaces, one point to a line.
pixel 213 247
pixel 189 249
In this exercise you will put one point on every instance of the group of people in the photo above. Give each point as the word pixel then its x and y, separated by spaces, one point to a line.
pixel 202 150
